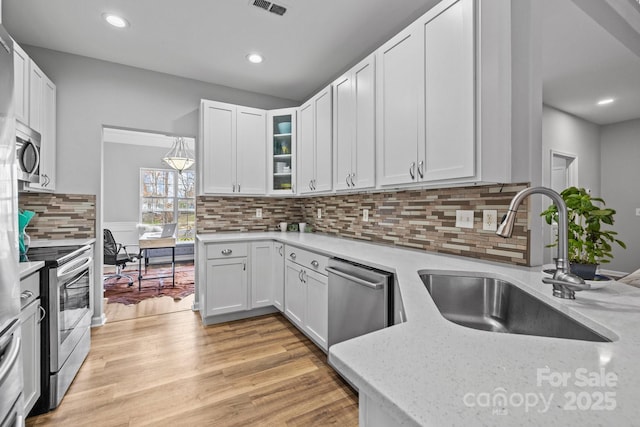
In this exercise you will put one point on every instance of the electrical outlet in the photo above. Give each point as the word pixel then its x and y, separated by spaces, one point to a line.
pixel 490 220
pixel 464 219
pixel 365 215
pixel 319 213
pixel 259 213
pixel 637 211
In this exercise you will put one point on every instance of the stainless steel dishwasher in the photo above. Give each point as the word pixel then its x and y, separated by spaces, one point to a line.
pixel 360 300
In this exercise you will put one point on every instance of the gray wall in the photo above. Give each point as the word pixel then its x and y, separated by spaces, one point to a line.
pixel 121 193
pixel 93 93
pixel 620 154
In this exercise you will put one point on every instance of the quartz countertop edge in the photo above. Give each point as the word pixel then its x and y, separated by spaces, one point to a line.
pixel 44 243
pixel 28 268
pixel 429 371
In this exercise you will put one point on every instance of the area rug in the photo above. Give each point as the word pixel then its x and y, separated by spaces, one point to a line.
pixel 119 291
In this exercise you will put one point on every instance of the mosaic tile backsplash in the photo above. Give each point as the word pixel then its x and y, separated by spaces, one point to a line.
pixel 418 219
pixel 60 216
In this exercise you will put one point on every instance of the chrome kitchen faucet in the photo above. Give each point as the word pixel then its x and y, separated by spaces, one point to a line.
pixel 564 282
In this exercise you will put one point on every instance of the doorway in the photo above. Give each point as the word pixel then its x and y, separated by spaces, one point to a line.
pixel 141 193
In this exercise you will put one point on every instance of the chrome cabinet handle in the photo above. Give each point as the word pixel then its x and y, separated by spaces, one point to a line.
pixel 314 185
pixel 293 188
pixel 292 255
pixel 304 276
pixel 310 186
pixel 411 168
pixel 226 251
pixel 238 188
pixel 280 250
pixel 233 188
pixel 347 180
pixel 244 266
pixel 353 175
pixel 315 263
pixel 421 169
pixel 300 275
pixel 43 314
pixel 26 295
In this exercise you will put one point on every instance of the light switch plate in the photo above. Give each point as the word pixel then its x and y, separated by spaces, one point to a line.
pixel 319 213
pixel 464 219
pixel 259 213
pixel 365 215
pixel 490 220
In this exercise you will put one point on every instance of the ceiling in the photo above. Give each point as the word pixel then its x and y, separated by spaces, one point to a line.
pixel 583 63
pixel 314 41
pixel 208 40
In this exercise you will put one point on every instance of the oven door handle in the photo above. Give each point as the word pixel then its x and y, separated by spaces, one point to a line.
pixel 77 267
pixel 11 355
pixel 76 280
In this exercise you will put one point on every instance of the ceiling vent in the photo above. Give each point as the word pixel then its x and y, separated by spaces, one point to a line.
pixel 269 6
pixel 262 4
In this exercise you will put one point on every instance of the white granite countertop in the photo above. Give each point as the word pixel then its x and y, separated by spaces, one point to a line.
pixel 60 242
pixel 429 371
pixel 27 268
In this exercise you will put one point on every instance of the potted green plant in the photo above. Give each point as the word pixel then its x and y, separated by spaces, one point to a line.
pixel 589 243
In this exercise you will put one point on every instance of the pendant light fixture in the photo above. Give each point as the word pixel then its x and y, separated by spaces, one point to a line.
pixel 179 157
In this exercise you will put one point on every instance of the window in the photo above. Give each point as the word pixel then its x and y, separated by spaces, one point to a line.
pixel 167 196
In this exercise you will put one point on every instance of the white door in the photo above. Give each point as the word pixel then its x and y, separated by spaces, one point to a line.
pixel 316 320
pixel 398 87
pixel 218 147
pixel 226 284
pixel 278 276
pixel 48 134
pixel 342 132
pixel 294 294
pixel 262 266
pixel 30 335
pixel 363 154
pixel 21 84
pixel 323 177
pixel 306 149
pixel 251 151
pixel 449 149
pixel 36 85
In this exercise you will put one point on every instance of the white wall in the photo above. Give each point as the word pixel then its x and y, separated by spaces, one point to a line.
pixel 620 162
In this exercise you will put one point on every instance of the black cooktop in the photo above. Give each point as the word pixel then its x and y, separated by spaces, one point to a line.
pixel 50 255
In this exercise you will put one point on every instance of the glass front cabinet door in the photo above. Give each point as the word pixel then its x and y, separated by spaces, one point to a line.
pixel 282 151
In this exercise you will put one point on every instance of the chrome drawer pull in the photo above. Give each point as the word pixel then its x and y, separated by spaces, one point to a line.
pixel 26 295
pixel 315 263
pixel 292 255
pixel 226 251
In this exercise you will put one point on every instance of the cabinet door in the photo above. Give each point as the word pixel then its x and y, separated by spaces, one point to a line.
pixel 218 135
pixel 342 132
pixel 48 134
pixel 306 148
pixel 294 294
pixel 363 154
pixel 226 286
pixel 323 179
pixel 262 274
pixel 281 151
pixel 30 331
pixel 398 87
pixel 21 84
pixel 251 151
pixel 278 276
pixel 449 94
pixel 316 313
pixel 36 85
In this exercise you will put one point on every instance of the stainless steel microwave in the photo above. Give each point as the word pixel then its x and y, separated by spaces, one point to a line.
pixel 28 153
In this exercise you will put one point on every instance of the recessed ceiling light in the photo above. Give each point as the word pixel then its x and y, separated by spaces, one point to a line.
pixel 605 101
pixel 115 20
pixel 254 58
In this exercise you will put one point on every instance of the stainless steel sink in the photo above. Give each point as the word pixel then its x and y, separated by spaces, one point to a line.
pixel 498 306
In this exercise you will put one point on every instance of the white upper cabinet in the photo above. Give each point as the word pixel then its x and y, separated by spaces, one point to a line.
pixel 48 142
pixel 232 149
pixel 281 155
pixel 21 84
pixel 36 90
pixel 427 99
pixel 354 127
pixel 314 144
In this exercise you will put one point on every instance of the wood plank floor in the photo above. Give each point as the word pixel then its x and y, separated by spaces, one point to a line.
pixel 169 370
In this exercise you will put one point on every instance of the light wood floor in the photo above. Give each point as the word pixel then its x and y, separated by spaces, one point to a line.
pixel 169 370
pixel 149 307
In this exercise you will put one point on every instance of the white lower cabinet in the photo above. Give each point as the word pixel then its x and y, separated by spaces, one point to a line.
pixel 262 279
pixel 316 306
pixel 278 275
pixel 226 287
pixel 30 330
pixel 294 294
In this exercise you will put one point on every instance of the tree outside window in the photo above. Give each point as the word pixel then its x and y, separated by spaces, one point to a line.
pixel 167 196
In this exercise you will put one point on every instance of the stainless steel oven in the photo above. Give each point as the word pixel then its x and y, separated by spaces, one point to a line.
pixel 66 292
pixel 28 153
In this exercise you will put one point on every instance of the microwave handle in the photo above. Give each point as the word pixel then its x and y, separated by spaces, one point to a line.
pixel 37 151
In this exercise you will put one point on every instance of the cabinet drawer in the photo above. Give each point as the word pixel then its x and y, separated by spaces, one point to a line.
pixel 307 259
pixel 29 288
pixel 226 250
